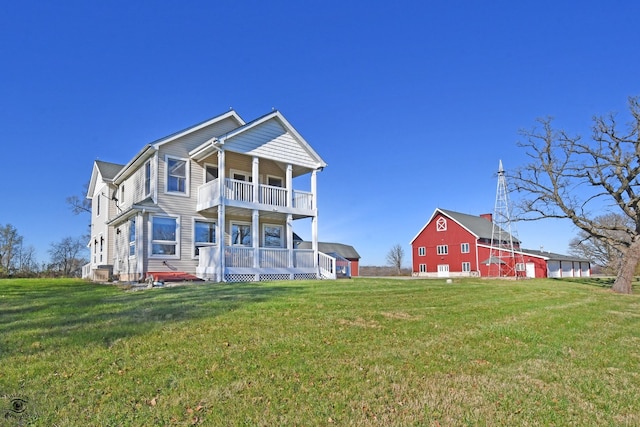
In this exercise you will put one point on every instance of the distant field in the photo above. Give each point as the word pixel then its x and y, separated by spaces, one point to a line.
pixel 347 352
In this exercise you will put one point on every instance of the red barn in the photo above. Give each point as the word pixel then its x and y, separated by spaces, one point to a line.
pixel 454 244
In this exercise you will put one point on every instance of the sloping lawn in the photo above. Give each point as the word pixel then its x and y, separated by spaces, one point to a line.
pixel 350 352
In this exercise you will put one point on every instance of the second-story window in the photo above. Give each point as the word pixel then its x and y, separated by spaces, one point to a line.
pixel 464 248
pixel 422 251
pixel 147 178
pixel 442 249
pixel 177 175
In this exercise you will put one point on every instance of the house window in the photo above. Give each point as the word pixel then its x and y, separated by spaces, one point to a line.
pixel 177 176
pixel 147 178
pixel 466 267
pixel 442 249
pixel 241 176
pixel 132 237
pixel 464 248
pixel 164 236
pixel 240 234
pixel 210 173
pixel 272 236
pixel 122 194
pixel 422 251
pixel 205 235
pixel 441 224
pixel 422 268
pixel 101 247
pixel 98 205
pixel 274 181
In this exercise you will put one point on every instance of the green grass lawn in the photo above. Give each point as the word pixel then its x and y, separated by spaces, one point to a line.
pixel 349 352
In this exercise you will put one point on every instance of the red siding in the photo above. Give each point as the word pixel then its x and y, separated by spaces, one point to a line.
pixel 454 236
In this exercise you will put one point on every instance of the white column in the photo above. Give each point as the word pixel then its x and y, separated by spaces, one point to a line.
pixel 314 220
pixel 255 174
pixel 221 226
pixel 255 240
pixel 289 185
pixel 289 232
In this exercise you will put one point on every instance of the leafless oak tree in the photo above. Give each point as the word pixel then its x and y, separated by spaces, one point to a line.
pixel 603 253
pixel 395 256
pixel 575 179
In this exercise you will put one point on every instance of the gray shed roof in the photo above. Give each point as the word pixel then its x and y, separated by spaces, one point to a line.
pixel 479 226
pixel 553 256
pixel 345 251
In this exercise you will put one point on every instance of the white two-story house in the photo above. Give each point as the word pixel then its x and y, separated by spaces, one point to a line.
pixel 217 201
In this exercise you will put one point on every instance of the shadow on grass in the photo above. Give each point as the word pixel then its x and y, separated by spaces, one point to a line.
pixel 78 313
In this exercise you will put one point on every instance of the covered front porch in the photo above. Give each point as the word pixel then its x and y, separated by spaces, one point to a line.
pixel 248 264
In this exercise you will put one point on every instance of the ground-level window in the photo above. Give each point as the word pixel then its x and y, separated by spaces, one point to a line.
pixel 466 266
pixel 272 236
pixel 132 237
pixel 164 236
pixel 422 251
pixel 422 268
pixel 442 249
pixel 464 248
pixel 520 266
pixel 241 234
pixel 204 235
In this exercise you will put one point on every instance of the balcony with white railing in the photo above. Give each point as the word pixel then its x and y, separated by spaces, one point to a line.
pixel 241 194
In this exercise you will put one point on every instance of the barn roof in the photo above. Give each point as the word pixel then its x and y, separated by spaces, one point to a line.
pixel 550 256
pixel 343 250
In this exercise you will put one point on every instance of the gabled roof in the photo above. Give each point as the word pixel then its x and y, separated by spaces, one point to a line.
pixel 231 114
pixel 346 251
pixel 279 118
pixel 106 171
pixel 480 227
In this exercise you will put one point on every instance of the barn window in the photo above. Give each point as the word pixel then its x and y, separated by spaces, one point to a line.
pixel 464 248
pixel 466 266
pixel 441 224
pixel 422 268
pixel 442 249
pixel 422 251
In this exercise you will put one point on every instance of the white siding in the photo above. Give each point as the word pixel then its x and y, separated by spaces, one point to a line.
pixel 270 140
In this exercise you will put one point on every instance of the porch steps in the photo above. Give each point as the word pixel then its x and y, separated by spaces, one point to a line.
pixel 172 276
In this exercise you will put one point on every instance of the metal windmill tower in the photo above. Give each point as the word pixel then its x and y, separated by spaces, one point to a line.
pixel 505 257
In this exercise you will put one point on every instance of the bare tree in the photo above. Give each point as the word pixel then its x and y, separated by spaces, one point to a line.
pixel 599 251
pixel 66 255
pixel 395 256
pixel 571 178
pixel 10 244
pixel 79 203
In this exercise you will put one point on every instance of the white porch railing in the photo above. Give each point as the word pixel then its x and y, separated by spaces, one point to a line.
pixel 86 271
pixel 238 190
pixel 327 265
pixel 238 257
pixel 302 200
pixel 209 194
pixel 270 195
pixel 242 257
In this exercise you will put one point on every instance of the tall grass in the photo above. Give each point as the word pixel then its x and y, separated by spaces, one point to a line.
pixel 358 352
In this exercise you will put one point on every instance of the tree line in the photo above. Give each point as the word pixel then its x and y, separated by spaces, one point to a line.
pixel 66 257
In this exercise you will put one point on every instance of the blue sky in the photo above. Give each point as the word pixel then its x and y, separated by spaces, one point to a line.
pixel 411 103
